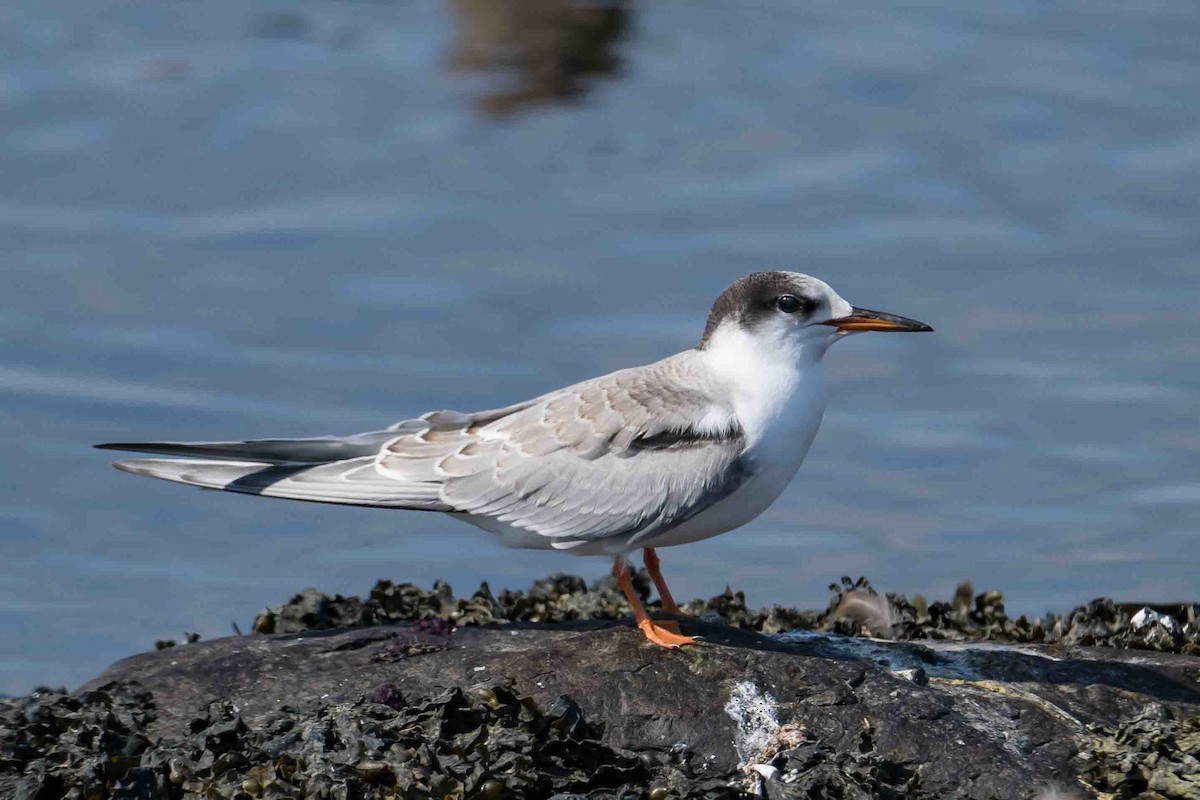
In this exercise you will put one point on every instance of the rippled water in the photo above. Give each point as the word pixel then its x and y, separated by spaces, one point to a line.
pixel 224 221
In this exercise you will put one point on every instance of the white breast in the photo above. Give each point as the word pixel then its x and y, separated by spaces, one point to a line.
pixel 778 396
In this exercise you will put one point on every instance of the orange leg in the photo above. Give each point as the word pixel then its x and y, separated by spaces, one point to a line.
pixel 652 630
pixel 650 559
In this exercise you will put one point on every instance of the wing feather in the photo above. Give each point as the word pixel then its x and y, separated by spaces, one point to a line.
pixel 268 451
pixel 351 482
pixel 560 466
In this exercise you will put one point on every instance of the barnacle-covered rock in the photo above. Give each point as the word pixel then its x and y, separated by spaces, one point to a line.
pixel 489 742
pixel 312 610
pixel 559 598
pixel 530 709
pixel 855 609
pixel 52 742
pixel 814 769
pixel 1151 755
pixel 417 696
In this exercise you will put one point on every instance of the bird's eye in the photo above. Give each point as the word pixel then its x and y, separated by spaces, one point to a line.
pixel 789 303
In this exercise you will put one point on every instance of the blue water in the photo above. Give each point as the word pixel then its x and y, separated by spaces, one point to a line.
pixel 213 228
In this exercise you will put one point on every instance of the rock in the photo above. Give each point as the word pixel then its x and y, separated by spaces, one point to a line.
pixel 523 703
pixel 586 707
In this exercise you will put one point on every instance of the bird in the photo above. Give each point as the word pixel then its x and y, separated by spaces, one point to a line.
pixel 673 452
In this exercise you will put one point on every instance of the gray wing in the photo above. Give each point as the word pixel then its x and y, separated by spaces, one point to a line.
pixel 618 454
pixel 631 452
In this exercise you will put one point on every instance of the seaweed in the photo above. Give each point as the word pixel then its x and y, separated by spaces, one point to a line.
pixel 485 741
pixel 1151 756
pixel 490 741
pixel 855 609
pixel 814 769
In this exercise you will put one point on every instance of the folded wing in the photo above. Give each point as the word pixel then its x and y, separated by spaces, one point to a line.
pixel 633 451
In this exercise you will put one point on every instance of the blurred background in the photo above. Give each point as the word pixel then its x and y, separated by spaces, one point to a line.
pixel 230 219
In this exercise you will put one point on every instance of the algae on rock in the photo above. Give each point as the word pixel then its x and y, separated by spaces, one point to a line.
pixel 564 598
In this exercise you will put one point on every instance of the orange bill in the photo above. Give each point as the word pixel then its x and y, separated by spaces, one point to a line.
pixel 863 319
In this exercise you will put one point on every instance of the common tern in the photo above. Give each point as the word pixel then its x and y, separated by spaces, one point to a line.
pixel 673 452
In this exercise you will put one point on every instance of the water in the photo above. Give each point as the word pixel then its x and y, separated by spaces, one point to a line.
pixel 221 221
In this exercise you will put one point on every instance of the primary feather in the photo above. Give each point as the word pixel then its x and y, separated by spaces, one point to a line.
pixel 268 451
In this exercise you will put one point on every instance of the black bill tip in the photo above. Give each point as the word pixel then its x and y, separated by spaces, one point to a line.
pixel 864 319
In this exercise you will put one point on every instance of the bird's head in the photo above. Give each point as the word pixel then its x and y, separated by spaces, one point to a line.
pixel 791 308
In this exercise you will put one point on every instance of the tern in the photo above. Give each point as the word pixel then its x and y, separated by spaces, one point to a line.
pixel 673 452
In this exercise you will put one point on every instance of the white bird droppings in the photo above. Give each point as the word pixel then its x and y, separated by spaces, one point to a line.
pixel 756 716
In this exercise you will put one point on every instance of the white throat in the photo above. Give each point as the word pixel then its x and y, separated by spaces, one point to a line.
pixel 775 381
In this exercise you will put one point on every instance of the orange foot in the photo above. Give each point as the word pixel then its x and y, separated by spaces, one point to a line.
pixel 662 636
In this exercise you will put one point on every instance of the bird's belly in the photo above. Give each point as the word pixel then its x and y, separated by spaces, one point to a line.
pixel 734 511
pixel 755 496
